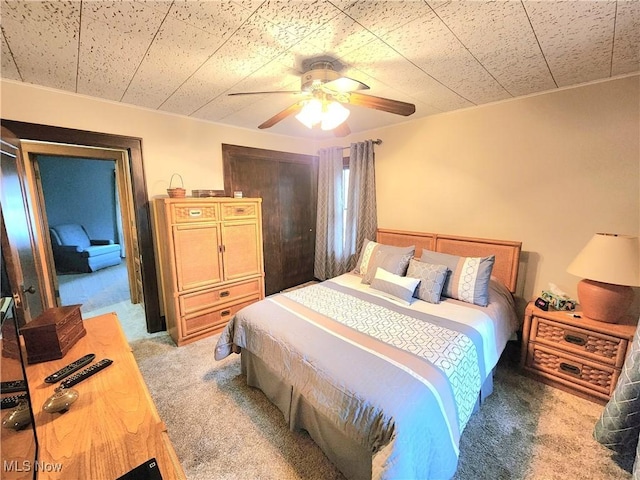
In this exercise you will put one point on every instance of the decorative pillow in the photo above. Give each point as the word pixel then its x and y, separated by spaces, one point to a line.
pixel 432 278
pixel 468 279
pixel 391 261
pixel 368 256
pixel 394 286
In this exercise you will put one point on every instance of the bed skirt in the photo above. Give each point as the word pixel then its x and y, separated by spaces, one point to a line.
pixel 351 458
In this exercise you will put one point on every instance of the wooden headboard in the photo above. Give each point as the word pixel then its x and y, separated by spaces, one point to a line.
pixel 507 253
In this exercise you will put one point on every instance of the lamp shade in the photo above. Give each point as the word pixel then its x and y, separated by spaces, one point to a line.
pixel 609 258
pixel 609 265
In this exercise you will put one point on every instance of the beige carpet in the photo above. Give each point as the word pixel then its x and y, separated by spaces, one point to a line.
pixel 222 429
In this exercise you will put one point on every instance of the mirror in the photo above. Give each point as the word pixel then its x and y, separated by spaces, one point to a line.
pixel 17 435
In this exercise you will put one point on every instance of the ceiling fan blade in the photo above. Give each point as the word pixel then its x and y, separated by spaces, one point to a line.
pixel 265 93
pixel 379 103
pixel 345 84
pixel 293 109
pixel 342 130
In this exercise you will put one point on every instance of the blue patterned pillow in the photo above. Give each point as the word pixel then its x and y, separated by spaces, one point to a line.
pixel 432 278
pixel 394 286
pixel 468 279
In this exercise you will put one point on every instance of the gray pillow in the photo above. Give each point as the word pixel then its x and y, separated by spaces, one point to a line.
pixel 432 278
pixel 468 278
pixel 369 258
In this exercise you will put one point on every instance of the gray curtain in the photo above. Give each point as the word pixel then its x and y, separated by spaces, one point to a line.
pixel 362 221
pixel 330 259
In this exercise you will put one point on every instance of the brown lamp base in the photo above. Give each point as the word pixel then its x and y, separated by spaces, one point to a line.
pixel 603 301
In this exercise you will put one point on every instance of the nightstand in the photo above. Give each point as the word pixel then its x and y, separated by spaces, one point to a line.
pixel 576 354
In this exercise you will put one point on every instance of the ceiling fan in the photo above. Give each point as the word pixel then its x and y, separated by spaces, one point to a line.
pixel 323 91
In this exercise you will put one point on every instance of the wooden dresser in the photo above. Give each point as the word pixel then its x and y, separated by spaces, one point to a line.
pixel 112 427
pixel 211 261
pixel 575 353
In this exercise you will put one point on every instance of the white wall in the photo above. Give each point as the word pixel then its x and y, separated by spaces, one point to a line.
pixel 549 170
pixel 170 143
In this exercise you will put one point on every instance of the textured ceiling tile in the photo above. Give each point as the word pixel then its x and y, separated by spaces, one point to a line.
pixel 114 38
pixel 254 45
pixel 299 18
pixel 576 37
pixel 177 51
pixel 626 47
pixel 382 63
pixel 340 36
pixel 381 17
pixel 43 37
pixel 499 35
pixel 9 68
pixel 430 45
pixel 220 18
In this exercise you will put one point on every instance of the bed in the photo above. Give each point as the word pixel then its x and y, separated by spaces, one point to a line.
pixel 385 382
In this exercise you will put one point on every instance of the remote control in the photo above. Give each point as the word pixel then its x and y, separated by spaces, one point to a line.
pixel 86 373
pixel 69 369
pixel 12 401
pixel 13 386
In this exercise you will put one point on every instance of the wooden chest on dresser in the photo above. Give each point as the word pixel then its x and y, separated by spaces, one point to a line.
pixel 211 261
pixel 575 353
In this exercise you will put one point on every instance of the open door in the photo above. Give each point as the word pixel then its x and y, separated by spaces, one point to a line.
pixel 18 244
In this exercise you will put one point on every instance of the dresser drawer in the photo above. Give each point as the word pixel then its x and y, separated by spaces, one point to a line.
pixel 578 371
pixel 238 210
pixel 210 298
pixel 213 319
pixel 588 344
pixel 194 212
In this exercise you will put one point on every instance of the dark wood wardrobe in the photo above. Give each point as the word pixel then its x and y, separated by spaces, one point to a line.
pixel 287 184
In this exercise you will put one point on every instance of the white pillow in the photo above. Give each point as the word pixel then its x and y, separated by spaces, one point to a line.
pixel 394 286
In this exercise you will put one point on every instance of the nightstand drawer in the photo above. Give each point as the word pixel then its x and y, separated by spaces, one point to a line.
pixel 578 371
pixel 589 344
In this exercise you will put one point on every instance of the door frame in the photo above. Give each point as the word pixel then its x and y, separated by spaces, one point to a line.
pixel 31 150
pixel 138 191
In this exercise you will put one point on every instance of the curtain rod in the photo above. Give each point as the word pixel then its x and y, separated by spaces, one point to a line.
pixel 377 142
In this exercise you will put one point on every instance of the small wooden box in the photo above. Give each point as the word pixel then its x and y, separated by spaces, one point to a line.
pixel 50 335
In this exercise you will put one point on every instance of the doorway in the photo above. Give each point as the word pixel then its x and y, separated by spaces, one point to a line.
pixel 87 188
pixel 132 181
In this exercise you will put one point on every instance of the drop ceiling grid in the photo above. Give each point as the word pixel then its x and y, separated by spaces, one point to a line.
pixel 499 35
pixel 564 29
pixel 113 33
pixel 45 47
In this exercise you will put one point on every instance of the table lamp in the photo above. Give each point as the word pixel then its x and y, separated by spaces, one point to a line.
pixel 609 265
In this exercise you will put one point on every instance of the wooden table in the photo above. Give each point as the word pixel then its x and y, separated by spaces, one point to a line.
pixel 112 427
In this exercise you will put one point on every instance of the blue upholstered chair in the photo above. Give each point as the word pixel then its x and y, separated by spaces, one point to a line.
pixel 74 251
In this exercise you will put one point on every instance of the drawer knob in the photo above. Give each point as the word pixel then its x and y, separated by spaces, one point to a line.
pixel 571 369
pixel 224 313
pixel 225 293
pixel 195 213
pixel 575 339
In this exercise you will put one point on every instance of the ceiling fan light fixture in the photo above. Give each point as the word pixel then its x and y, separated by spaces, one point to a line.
pixel 311 113
pixel 334 115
